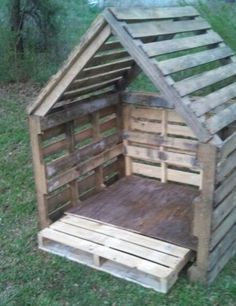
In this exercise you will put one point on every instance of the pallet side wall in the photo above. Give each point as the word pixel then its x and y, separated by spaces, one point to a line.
pixel 223 236
pixel 77 152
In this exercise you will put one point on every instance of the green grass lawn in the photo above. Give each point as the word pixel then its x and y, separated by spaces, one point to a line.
pixel 31 277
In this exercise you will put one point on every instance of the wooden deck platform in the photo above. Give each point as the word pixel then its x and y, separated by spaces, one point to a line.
pixel 145 206
pixel 131 256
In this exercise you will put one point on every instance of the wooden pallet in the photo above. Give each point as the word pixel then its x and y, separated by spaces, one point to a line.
pixel 149 262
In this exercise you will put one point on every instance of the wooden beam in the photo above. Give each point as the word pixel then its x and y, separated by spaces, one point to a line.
pixel 39 170
pixel 203 212
pixel 78 110
pixel 145 99
pixel 71 147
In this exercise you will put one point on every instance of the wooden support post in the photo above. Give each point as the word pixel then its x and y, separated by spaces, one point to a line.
pixel 70 137
pixel 119 123
pixel 203 210
pixel 96 137
pixel 126 127
pixel 164 120
pixel 39 170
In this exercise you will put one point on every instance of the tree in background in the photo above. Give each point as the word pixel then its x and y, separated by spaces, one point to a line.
pixel 33 22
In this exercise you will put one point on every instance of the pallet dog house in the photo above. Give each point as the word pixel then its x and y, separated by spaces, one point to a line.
pixel 140 184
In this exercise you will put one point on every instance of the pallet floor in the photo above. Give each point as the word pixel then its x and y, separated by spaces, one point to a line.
pixel 128 255
pixel 145 206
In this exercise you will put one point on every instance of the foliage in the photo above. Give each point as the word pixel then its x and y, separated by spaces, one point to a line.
pixel 52 28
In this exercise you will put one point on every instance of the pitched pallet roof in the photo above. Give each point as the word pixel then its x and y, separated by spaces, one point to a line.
pixel 142 36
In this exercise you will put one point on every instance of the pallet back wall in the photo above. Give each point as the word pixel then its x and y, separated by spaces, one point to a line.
pixel 158 144
pixel 76 151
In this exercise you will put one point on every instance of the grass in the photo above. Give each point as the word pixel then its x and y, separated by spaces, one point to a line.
pixel 30 277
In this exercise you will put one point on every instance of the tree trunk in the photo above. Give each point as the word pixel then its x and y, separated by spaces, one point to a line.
pixel 16 23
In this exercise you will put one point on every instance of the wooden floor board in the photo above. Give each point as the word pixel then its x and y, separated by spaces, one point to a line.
pixel 162 211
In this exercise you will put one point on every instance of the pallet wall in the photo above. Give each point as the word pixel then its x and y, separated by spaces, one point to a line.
pixel 223 237
pixel 77 152
pixel 158 144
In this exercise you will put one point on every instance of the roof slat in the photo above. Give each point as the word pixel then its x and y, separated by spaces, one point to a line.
pixel 213 100
pixel 222 119
pixel 181 44
pixel 88 89
pixel 154 13
pixel 155 28
pixel 97 78
pixel 193 60
pixel 124 63
pixel 111 56
pixel 111 45
pixel 205 79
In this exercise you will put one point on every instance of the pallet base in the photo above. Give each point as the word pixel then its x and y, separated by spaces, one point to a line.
pixel 149 262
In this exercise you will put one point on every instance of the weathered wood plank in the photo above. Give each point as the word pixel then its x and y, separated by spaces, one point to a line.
pixel 97 78
pixel 154 114
pixel 223 210
pixel 100 159
pixel 156 77
pixel 203 208
pixel 221 231
pixel 94 39
pixel 171 175
pixel 113 243
pixel 213 100
pixel 91 71
pixel 145 99
pixel 108 253
pixel 77 110
pixel 108 57
pixel 193 60
pixel 225 167
pixel 121 234
pixel 83 168
pixel 222 247
pixel 39 170
pixel 205 79
pixel 159 156
pixel 111 45
pixel 225 188
pixel 154 13
pixel 155 28
pixel 53 132
pixel 95 148
pixel 55 201
pixel 158 140
pixel 222 119
pixel 153 127
pixel 229 145
pixel 126 112
pixel 88 89
pixel 222 262
pixel 181 44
